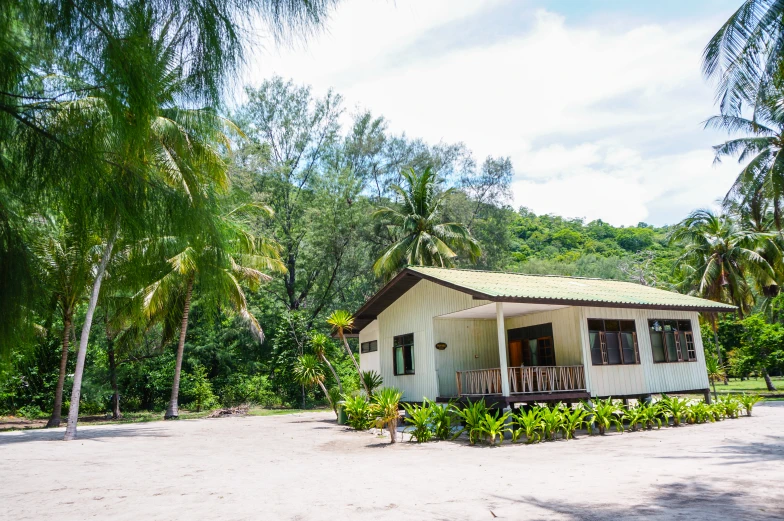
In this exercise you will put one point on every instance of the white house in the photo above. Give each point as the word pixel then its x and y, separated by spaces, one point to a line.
pixel 445 333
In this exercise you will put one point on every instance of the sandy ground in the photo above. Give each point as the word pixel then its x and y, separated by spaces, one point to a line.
pixel 304 467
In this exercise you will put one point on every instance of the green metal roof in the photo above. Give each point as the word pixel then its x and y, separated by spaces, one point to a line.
pixel 517 287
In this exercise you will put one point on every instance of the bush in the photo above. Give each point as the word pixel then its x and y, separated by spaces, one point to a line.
pixel 359 412
pixel 254 390
pixel 32 412
pixel 430 420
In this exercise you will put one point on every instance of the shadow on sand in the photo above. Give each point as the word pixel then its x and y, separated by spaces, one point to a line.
pixel 92 433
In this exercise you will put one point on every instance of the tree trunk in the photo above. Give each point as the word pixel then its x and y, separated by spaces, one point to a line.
pixel 392 426
pixel 324 390
pixel 116 414
pixel 54 421
pixel 356 364
pixel 334 373
pixel 173 411
pixel 81 355
pixel 768 381
pixel 715 394
pixel 715 323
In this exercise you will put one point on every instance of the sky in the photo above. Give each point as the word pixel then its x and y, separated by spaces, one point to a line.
pixel 600 104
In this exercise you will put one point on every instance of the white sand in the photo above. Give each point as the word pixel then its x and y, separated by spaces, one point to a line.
pixel 305 467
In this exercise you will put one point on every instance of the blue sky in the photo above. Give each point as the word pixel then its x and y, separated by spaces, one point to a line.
pixel 599 104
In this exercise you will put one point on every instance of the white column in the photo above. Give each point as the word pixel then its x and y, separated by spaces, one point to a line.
pixel 499 320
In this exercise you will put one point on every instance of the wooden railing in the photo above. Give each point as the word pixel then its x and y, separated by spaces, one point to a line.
pixel 522 380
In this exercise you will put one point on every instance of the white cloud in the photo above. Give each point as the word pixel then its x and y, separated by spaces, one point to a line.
pixel 599 122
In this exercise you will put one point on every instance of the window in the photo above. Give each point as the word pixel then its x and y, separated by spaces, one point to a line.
pixel 531 346
pixel 368 347
pixel 404 354
pixel 672 341
pixel 613 342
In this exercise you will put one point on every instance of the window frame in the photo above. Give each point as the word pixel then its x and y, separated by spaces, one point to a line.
pixel 372 347
pixel 685 348
pixel 602 334
pixel 400 342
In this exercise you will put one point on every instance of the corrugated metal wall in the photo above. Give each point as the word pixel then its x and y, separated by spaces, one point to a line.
pixel 646 377
pixel 413 313
pixel 473 344
pixel 370 361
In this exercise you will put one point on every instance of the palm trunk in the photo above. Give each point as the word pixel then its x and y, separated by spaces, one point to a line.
pixel 81 355
pixel 334 373
pixel 392 426
pixel 768 381
pixel 54 421
pixel 173 411
pixel 356 364
pixel 715 323
pixel 715 394
pixel 324 390
pixel 116 414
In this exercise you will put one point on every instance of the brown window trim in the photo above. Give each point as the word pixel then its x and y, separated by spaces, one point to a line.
pixel 603 342
pixel 681 345
pixel 368 347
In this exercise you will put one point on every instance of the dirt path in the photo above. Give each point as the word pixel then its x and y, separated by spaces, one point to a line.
pixel 303 467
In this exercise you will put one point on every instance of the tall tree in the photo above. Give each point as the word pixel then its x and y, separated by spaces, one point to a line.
pixel 421 238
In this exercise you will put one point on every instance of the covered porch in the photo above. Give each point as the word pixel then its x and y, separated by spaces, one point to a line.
pixel 536 354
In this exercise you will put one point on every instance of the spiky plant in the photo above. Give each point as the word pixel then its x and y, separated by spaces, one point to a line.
pixel 749 401
pixel 319 342
pixel 308 372
pixel 342 322
pixel 604 414
pixel 386 405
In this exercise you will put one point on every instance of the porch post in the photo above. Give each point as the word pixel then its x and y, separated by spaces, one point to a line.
pixel 499 320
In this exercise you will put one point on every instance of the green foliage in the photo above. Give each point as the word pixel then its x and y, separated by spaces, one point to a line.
pixel 573 419
pixel 529 423
pixel 494 426
pixel 359 412
pixel 675 407
pixel 371 380
pixel 472 414
pixel 386 408
pixel 748 401
pixel 604 414
pixel 419 419
pixel 729 406
pixel 200 389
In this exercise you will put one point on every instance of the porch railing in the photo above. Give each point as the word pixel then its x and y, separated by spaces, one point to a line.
pixel 522 380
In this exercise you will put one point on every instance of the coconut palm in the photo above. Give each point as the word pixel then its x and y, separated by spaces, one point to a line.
pixel 719 258
pixel 65 262
pixel 217 261
pixel 744 56
pixel 342 322
pixel 308 372
pixel 420 236
pixel 319 342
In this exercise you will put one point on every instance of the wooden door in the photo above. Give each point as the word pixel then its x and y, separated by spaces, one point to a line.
pixel 515 353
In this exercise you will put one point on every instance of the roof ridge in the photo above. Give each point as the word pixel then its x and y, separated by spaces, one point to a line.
pixel 531 274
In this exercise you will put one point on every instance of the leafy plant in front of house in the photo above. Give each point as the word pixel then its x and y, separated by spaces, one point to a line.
pixel 493 426
pixel 359 412
pixel 635 416
pixel 529 424
pixel 552 422
pixel 386 406
pixel 700 412
pixel 675 407
pixel 441 419
pixel 604 414
pixel 748 401
pixel 471 415
pixel 573 419
pixel 419 418
pixel 717 410
pixel 371 381
pixel 651 414
pixel 730 406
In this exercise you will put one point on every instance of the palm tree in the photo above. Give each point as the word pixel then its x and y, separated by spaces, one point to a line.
pixel 65 261
pixel 761 146
pixel 744 56
pixel 308 372
pixel 718 260
pixel 218 263
pixel 386 403
pixel 716 373
pixel 319 342
pixel 420 236
pixel 342 322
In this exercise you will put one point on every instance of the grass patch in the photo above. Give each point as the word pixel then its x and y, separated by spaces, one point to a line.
pixel 752 385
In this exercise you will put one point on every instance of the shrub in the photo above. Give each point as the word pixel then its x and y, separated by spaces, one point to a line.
pixel 32 412
pixel 441 418
pixel 552 422
pixel 386 406
pixel 748 401
pixel 471 415
pixel 675 407
pixel 371 380
pixel 419 418
pixel 530 425
pixel 604 414
pixel 700 412
pixel 255 389
pixel 200 389
pixel 730 406
pixel 493 426
pixel 359 412
pixel 573 419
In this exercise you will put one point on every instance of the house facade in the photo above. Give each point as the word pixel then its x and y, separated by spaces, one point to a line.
pixel 445 333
